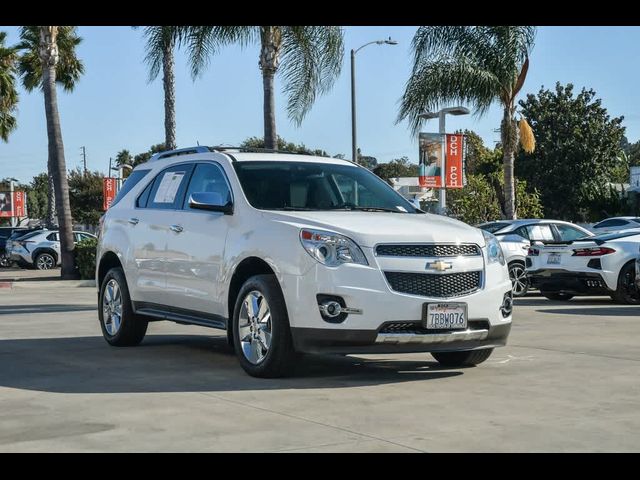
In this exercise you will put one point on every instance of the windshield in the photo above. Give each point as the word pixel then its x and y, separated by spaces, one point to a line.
pixel 493 227
pixel 317 186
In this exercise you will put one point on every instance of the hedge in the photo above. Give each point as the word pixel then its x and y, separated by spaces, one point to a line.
pixel 86 258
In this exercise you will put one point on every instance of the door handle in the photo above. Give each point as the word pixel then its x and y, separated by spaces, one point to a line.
pixel 133 221
pixel 176 228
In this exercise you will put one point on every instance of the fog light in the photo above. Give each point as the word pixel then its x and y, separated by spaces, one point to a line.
pixel 330 309
pixel 507 305
pixel 334 309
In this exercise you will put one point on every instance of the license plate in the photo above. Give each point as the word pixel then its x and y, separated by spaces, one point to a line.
pixel 554 259
pixel 445 316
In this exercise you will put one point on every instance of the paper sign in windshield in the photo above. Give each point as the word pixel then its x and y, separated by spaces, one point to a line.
pixel 168 188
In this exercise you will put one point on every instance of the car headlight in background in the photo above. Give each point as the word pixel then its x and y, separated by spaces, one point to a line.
pixel 494 250
pixel 331 249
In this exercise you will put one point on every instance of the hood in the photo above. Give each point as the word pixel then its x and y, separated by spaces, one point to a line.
pixel 370 228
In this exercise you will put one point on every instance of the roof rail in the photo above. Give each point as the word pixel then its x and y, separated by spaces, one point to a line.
pixel 179 151
pixel 221 148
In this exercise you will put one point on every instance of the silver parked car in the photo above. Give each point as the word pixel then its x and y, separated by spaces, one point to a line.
pixel 517 235
pixel 615 224
pixel 40 248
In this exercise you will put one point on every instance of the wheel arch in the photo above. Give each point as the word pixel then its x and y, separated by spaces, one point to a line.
pixel 108 261
pixel 48 250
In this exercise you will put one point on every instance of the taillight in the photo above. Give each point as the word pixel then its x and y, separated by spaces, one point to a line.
pixel 592 252
pixel 534 252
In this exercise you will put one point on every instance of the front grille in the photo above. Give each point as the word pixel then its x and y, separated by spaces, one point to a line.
pixel 418 329
pixel 427 250
pixel 434 285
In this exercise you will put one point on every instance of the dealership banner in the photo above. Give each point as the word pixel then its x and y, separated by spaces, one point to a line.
pixel 13 205
pixel 109 190
pixel 430 160
pixel 454 173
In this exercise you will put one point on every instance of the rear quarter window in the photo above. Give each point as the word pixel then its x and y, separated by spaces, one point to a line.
pixel 130 182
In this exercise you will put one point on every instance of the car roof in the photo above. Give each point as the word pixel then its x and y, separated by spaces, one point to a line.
pixel 618 218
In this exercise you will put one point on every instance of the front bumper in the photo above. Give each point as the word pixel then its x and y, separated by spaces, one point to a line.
pixel 365 288
pixel 565 281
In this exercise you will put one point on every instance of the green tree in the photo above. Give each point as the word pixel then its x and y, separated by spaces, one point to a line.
pixel 160 47
pixel 309 59
pixel 38 196
pixel 477 65
pixel 283 145
pixel 68 69
pixel 145 156
pixel 578 145
pixel 8 92
pixel 399 167
pixel 634 153
pixel 85 195
pixel 366 161
pixel 123 157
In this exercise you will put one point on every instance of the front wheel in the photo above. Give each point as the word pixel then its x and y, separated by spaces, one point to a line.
pixel 261 332
pixel 462 359
pixel 627 292
pixel 121 327
pixel 519 281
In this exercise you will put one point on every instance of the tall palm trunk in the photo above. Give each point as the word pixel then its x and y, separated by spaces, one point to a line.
pixel 509 134
pixel 271 41
pixel 169 83
pixel 49 57
pixel 50 221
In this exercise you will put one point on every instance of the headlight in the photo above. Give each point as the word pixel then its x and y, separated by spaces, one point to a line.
pixel 494 250
pixel 331 249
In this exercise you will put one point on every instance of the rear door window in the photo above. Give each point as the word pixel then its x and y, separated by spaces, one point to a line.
pixel 540 232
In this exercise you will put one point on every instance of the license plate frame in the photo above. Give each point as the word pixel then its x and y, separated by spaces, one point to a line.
pixel 430 322
pixel 554 259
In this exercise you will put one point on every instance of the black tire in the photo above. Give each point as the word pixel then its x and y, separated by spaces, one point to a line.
pixel 469 358
pixel 279 358
pixel 45 261
pixel 627 292
pixel 557 296
pixel 517 269
pixel 132 327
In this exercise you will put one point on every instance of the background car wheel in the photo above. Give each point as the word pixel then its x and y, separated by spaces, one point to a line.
pixel 627 292
pixel 557 296
pixel 45 261
pixel 121 327
pixel 519 281
pixel 462 359
pixel 261 332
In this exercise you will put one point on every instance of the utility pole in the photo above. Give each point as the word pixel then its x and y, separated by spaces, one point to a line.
pixel 14 220
pixel 84 159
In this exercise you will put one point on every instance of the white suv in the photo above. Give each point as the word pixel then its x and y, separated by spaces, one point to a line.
pixel 295 253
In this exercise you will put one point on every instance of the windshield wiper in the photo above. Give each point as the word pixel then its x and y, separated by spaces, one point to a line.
pixel 366 209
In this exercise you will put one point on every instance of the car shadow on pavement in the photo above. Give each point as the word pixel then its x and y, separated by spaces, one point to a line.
pixel 576 301
pixel 614 311
pixel 44 308
pixel 183 363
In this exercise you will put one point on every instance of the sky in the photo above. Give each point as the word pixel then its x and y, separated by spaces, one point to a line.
pixel 114 107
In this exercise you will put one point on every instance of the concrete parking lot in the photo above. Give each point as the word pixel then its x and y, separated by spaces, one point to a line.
pixel 567 381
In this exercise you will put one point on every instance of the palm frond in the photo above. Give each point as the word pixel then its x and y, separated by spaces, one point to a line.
pixel 158 40
pixel 311 61
pixel 446 81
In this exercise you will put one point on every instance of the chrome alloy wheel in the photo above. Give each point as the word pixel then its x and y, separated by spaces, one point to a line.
pixel 254 327
pixel 519 281
pixel 45 262
pixel 112 307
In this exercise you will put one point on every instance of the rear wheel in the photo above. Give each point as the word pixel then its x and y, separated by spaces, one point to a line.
pixel 627 292
pixel 121 327
pixel 261 332
pixel 462 359
pixel 557 296
pixel 45 261
pixel 519 282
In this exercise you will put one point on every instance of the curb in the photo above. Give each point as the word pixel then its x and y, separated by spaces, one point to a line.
pixel 46 283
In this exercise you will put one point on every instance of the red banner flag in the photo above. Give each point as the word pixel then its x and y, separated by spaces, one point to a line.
pixel 19 204
pixel 108 192
pixel 454 161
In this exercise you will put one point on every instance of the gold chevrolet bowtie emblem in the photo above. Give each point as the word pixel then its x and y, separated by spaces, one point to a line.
pixel 440 266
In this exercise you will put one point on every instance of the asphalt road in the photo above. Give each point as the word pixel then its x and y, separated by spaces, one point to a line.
pixel 569 380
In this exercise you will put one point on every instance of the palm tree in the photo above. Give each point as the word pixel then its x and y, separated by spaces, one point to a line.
pixel 69 69
pixel 161 43
pixel 477 65
pixel 308 57
pixel 8 92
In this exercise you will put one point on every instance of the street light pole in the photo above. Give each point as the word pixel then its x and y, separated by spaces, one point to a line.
pixel 14 220
pixel 354 140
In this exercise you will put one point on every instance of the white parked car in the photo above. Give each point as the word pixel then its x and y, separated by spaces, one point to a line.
pixel 516 237
pixel 295 253
pixel 599 265
pixel 615 224
pixel 40 249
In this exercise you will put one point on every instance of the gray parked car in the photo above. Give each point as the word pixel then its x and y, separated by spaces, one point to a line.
pixel 517 235
pixel 40 249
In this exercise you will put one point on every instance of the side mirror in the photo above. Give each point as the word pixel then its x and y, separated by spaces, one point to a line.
pixel 211 201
